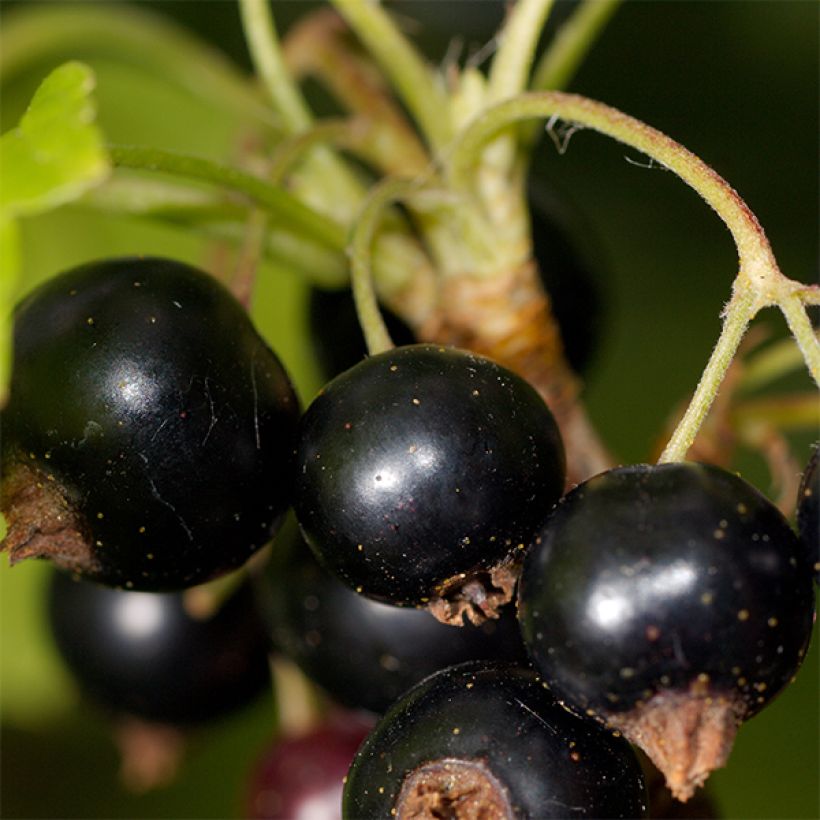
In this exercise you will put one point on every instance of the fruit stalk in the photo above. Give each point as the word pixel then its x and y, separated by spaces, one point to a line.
pixel 759 282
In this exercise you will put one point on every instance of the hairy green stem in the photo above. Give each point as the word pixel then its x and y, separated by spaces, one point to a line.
pixel 738 314
pixel 759 282
pixel 407 70
pixel 804 334
pixel 372 323
pixel 756 259
pixel 272 199
pixel 566 53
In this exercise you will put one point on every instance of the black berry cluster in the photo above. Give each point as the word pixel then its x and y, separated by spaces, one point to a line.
pixel 152 442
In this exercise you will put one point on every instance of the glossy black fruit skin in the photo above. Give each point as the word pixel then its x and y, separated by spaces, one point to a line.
pixel 144 654
pixel 364 653
pixel 808 510
pixel 548 762
pixel 420 464
pixel 142 387
pixel 655 578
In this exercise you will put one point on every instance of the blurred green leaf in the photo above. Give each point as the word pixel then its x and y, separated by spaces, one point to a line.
pixel 41 34
pixel 56 152
pixel 9 270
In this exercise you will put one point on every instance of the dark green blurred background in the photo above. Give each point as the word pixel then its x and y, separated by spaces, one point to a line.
pixel 736 82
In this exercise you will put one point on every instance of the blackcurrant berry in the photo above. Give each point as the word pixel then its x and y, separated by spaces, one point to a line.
pixel 364 653
pixel 672 602
pixel 421 474
pixel 144 654
pixel 302 776
pixel 488 740
pixel 148 438
pixel 808 510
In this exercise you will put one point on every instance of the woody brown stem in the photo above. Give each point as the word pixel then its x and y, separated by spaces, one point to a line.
pixel 509 319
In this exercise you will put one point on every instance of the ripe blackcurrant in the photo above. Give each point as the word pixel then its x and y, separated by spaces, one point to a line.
pixel 148 438
pixel 364 653
pixel 488 740
pixel 302 776
pixel 808 510
pixel 672 602
pixel 144 654
pixel 421 474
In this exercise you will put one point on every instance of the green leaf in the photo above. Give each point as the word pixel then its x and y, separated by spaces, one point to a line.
pixel 56 152
pixel 129 35
pixel 9 268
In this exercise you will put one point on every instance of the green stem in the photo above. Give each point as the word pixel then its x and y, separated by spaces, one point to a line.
pixel 365 140
pixel 263 44
pixel 411 76
pixel 566 53
pixel 561 60
pixel 518 39
pixel 389 190
pixel 285 251
pixel 288 152
pixel 804 334
pixel 272 199
pixel 508 76
pixel 738 314
pixel 757 262
pixel 326 171
pixel 759 281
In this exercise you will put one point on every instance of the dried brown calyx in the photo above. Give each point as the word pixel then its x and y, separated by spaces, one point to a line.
pixel 41 521
pixel 687 735
pixel 476 596
pixel 452 789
